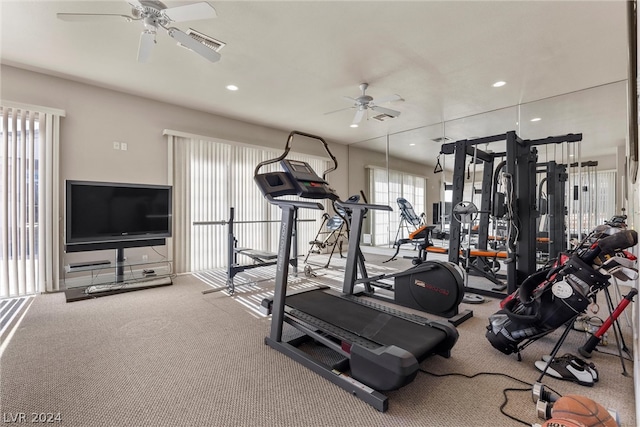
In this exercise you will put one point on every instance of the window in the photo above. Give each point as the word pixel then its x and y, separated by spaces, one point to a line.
pixel 591 200
pixel 211 176
pixel 29 200
pixel 386 188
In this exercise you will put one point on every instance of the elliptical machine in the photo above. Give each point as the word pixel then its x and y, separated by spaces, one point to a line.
pixel 435 287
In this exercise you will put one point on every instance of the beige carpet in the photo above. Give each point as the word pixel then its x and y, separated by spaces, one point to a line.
pixel 171 356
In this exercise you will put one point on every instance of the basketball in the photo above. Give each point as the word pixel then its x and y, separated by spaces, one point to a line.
pixel 559 422
pixel 582 411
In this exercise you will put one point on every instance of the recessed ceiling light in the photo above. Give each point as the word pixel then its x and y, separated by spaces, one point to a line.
pixel 232 87
pixel 412 145
pixel 536 119
pixel 499 84
pixel 353 125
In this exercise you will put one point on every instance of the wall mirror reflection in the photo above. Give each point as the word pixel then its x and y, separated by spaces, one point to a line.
pixel 567 192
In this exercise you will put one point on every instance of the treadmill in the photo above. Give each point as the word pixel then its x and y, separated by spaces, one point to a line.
pixel 379 348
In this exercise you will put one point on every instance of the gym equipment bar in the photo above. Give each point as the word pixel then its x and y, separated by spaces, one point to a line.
pixel 520 168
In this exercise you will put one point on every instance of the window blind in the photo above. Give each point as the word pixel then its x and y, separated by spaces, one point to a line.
pixel 209 176
pixel 29 199
pixel 385 187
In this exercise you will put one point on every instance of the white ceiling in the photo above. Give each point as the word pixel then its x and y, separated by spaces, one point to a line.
pixel 294 61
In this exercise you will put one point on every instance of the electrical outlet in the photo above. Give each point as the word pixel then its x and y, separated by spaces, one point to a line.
pixel 124 146
pixel 116 145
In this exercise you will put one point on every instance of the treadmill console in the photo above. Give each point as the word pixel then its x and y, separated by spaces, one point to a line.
pixel 306 182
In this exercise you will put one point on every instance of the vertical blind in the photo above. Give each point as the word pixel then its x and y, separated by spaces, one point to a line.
pixel 209 176
pixel 386 187
pixel 29 199
pixel 596 201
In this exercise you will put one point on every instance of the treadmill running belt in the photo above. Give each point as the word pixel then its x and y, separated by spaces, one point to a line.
pixel 419 340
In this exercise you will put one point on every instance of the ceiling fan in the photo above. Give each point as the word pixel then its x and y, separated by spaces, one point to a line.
pixel 154 14
pixel 365 102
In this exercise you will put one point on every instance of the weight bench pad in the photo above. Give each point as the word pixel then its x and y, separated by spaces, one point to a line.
pixel 488 254
pixel 256 254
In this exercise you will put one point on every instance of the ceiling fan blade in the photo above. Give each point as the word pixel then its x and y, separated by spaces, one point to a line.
pixel 84 17
pixel 147 40
pixel 358 117
pixel 194 45
pixel 387 111
pixel 337 111
pixel 350 99
pixel 190 12
pixel 390 98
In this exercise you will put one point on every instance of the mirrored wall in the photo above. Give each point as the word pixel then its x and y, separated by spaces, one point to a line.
pixel 407 164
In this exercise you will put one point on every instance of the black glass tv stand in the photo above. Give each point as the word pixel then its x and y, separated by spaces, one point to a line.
pixel 92 279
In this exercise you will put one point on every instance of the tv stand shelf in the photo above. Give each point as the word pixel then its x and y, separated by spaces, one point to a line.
pixel 91 280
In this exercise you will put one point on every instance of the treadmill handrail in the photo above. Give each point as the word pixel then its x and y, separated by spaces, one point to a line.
pixel 351 205
pixel 288 147
pixel 294 203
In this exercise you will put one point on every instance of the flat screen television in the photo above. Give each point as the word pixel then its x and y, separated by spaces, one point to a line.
pixel 106 215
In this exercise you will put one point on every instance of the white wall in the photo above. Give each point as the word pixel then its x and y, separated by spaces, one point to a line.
pixel 96 117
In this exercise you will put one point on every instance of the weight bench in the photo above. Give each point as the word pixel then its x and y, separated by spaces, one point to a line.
pixel 420 238
pixel 260 258
pixel 485 263
pixel 437 250
pixel 256 255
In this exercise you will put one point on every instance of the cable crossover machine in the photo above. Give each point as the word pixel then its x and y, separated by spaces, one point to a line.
pixel 518 204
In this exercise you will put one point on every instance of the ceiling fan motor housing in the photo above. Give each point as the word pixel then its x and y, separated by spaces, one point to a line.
pixel 151 13
pixel 364 99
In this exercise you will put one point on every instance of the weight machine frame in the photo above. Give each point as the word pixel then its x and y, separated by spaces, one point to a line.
pixel 556 180
pixel 521 156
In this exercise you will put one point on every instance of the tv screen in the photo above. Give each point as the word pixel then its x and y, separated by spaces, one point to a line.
pixel 115 214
